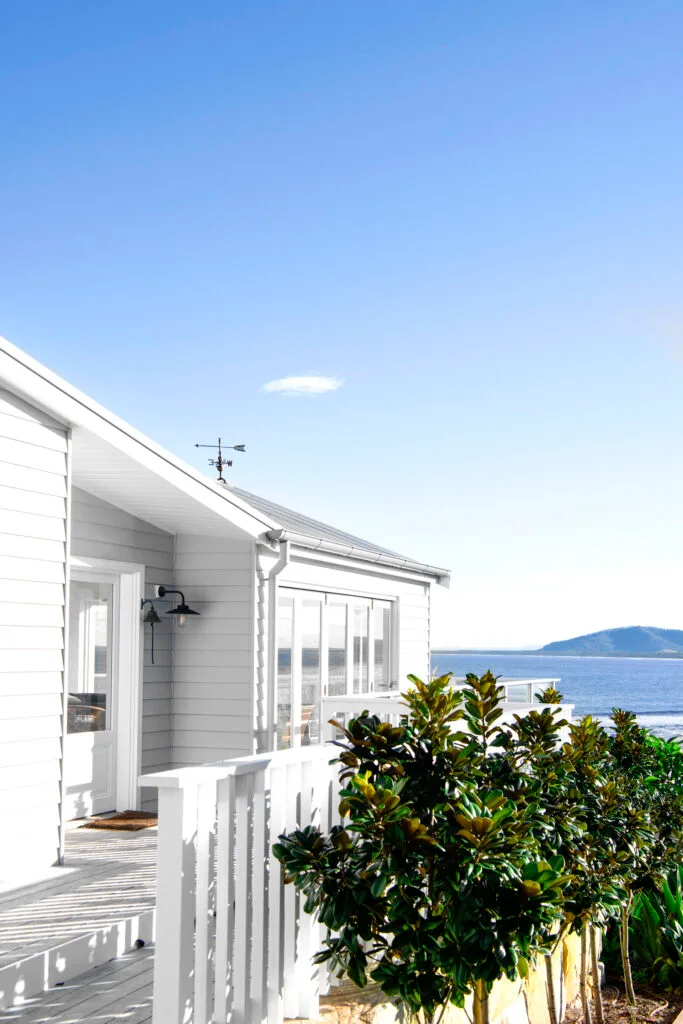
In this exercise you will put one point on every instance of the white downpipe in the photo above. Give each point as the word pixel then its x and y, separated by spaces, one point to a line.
pixel 271 711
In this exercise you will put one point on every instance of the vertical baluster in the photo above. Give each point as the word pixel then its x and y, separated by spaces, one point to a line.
pixel 278 825
pixel 259 945
pixel 206 816
pixel 242 894
pixel 174 952
pixel 335 819
pixel 225 895
pixel 324 774
pixel 307 945
pixel 290 999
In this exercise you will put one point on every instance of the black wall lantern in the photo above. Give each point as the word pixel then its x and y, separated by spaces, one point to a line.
pixel 180 610
pixel 150 618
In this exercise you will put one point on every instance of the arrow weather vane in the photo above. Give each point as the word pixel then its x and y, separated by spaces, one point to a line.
pixel 220 462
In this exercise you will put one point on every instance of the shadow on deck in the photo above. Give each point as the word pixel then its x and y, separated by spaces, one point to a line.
pixel 94 908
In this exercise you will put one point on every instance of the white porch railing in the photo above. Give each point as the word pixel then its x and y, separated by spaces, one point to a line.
pixel 233 945
pixel 389 706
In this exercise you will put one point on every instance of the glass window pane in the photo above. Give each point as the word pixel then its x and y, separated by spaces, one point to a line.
pixel 381 613
pixel 89 665
pixel 360 649
pixel 310 671
pixel 336 656
pixel 284 671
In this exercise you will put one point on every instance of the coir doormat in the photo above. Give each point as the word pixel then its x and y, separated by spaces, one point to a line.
pixel 125 821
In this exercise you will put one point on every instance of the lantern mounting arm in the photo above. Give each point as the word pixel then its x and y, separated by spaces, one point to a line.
pixel 163 591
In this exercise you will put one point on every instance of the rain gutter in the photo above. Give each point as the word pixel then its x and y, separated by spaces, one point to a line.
pixel 361 554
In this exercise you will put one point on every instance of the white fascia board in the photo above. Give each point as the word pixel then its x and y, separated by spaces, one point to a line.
pixel 36 384
pixel 368 563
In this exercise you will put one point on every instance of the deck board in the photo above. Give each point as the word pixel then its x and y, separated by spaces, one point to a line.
pixel 118 991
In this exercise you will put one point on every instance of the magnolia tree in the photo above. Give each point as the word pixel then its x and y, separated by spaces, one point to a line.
pixel 436 883
pixel 468 848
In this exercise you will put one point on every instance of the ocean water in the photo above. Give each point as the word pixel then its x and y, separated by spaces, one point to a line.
pixel 651 687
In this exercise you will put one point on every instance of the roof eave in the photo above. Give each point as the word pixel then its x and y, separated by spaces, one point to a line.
pixel 377 558
pixel 38 385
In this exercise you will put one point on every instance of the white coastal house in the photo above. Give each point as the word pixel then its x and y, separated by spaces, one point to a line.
pixel 94 518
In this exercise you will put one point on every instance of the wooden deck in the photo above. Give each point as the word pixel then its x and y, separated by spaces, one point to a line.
pixel 82 915
pixel 117 991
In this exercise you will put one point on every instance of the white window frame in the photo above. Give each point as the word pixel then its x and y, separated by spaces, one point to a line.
pixel 350 600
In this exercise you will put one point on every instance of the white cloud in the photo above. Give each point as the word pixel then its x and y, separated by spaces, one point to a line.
pixel 308 385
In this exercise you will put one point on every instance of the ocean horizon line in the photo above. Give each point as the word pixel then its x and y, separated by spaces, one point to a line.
pixel 523 653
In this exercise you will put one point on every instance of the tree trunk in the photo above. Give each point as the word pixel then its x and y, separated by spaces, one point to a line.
pixel 597 993
pixel 550 988
pixel 625 957
pixel 480 1003
pixel 585 1005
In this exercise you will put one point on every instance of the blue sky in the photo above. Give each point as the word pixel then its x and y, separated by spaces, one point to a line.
pixel 471 214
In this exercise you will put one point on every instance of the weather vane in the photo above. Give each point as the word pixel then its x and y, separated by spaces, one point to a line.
pixel 220 462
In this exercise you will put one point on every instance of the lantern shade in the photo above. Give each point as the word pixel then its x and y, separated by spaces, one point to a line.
pixel 182 609
pixel 151 616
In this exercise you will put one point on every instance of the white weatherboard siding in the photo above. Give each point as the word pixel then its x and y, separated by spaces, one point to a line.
pixel 100 530
pixel 412 605
pixel 33 508
pixel 213 674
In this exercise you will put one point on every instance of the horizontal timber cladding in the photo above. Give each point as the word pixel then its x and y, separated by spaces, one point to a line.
pixel 412 605
pixel 33 489
pixel 99 530
pixel 213 672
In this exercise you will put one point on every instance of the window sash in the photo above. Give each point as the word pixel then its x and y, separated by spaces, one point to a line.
pixel 360 651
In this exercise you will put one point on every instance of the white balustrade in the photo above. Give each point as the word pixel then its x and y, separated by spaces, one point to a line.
pixel 390 707
pixel 233 945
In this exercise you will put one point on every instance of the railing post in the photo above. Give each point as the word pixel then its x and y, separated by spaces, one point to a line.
pixel 242 894
pixel 206 817
pixel 257 1001
pixel 290 993
pixel 278 825
pixel 307 983
pixel 225 896
pixel 174 953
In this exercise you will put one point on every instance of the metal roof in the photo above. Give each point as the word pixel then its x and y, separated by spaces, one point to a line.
pixel 298 523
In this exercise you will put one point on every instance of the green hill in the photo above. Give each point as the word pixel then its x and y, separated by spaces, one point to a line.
pixel 627 640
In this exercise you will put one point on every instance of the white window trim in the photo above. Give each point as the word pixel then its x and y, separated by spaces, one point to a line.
pixel 349 598
pixel 129 580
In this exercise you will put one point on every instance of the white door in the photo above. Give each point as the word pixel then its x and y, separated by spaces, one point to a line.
pixel 92 671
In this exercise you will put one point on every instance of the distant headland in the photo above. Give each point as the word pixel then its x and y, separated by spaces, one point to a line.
pixel 625 642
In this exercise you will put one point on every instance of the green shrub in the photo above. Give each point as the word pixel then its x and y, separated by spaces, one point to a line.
pixel 468 849
pixel 437 882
